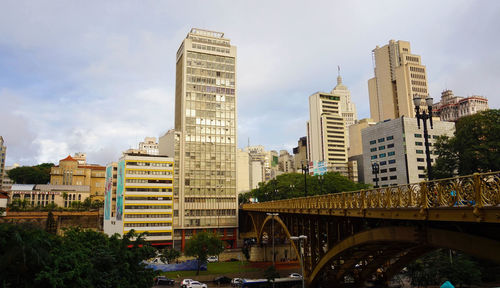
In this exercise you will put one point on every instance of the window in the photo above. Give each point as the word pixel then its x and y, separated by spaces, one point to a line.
pixel 374 157
pixel 382 155
pixel 421 168
pixel 420 151
pixel 383 178
pixel 420 159
pixel 373 149
pixel 381 140
pixel 383 171
pixel 390 145
pixel 373 142
pixel 381 147
pixel 394 177
pixel 418 143
pixel 390 138
pixel 383 163
pixel 392 169
pixel 392 153
pixel 392 161
pixel 435 136
pixel 421 176
pixel 418 135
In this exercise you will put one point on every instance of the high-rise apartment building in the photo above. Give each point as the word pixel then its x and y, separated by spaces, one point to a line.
pixel 205 119
pixel 149 146
pixel 326 133
pixel 3 152
pixel 300 154
pixel 452 108
pixel 399 75
pixel 399 149
pixel 142 199
pixel 347 108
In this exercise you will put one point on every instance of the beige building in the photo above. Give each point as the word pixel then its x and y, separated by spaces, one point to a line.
pixel 355 151
pixel 243 171
pixel 149 146
pixel 399 75
pixel 398 147
pixel 205 116
pixel 6 181
pixel 285 162
pixel 347 108
pixel 452 108
pixel 326 133
pixel 70 172
pixel 43 195
pixel 3 152
pixel 300 154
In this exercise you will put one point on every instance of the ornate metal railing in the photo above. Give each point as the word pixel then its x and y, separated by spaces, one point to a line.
pixel 477 190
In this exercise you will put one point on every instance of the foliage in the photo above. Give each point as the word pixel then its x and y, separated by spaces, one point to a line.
pixel 31 257
pixel 201 245
pixel 291 185
pixel 25 205
pixel 438 266
pixel 39 174
pixel 169 255
pixel 474 148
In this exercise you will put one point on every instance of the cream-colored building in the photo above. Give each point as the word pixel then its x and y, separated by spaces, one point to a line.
pixel 326 133
pixel 300 154
pixel 355 151
pixel 6 181
pixel 3 152
pixel 399 149
pixel 43 195
pixel 149 146
pixel 399 75
pixel 70 172
pixel 285 162
pixel 143 198
pixel 205 116
pixel 347 108
pixel 452 108
pixel 243 171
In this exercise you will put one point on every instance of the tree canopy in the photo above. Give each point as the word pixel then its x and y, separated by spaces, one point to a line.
pixel 291 185
pixel 31 257
pixel 474 148
pixel 203 244
pixel 39 174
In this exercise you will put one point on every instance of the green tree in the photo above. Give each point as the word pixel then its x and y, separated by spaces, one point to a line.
pixel 169 255
pixel 474 148
pixel 201 245
pixel 39 174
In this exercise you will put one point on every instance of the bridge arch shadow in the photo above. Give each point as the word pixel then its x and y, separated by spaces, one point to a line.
pixel 394 247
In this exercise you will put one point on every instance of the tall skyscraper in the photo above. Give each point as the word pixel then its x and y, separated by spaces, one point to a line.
pixel 3 150
pixel 399 75
pixel 347 108
pixel 326 141
pixel 205 118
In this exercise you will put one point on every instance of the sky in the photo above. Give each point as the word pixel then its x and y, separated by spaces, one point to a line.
pixel 99 76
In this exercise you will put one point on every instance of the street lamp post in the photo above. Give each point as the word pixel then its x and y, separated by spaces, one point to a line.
pixel 321 179
pixel 301 256
pixel 272 216
pixel 305 170
pixel 424 116
pixel 375 170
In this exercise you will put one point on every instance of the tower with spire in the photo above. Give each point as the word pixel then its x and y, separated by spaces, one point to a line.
pixel 347 108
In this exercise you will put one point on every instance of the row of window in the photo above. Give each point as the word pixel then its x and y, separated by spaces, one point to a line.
pixel 153 233
pixel 156 224
pixel 210 73
pixel 148 189
pixel 145 172
pixel 138 198
pixel 208 212
pixel 380 140
pixel 150 181
pixel 211 48
pixel 151 164
pixel 169 215
pixel 148 206
pixel 383 155
pixel 208 57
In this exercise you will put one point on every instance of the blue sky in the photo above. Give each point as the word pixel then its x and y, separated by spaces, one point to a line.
pixel 99 76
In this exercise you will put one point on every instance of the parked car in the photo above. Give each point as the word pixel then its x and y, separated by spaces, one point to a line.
pixel 186 282
pixel 295 275
pixel 222 280
pixel 196 284
pixel 236 282
pixel 162 280
pixel 157 260
pixel 212 259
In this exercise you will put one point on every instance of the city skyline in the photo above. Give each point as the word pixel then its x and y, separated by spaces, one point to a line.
pixel 75 78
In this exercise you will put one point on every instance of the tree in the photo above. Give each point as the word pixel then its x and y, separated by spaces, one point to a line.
pixel 39 174
pixel 201 245
pixel 474 148
pixel 271 274
pixel 169 255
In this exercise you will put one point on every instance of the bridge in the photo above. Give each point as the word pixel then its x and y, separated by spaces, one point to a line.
pixel 352 236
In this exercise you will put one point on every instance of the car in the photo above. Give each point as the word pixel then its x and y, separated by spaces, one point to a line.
pixel 162 280
pixel 236 282
pixel 222 280
pixel 186 282
pixel 212 259
pixel 295 275
pixel 196 284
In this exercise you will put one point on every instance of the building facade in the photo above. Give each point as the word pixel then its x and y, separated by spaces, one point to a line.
pixel 326 136
pixel 43 195
pixel 206 119
pixel 452 108
pixel 355 151
pixel 143 198
pixel 300 154
pixel 285 162
pixel 243 171
pixel 3 155
pixel 149 146
pixel 347 108
pixel 6 181
pixel 70 172
pixel 398 147
pixel 399 75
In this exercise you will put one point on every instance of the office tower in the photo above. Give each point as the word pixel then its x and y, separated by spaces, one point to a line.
pixel 347 108
pixel 300 154
pixel 205 118
pixel 266 160
pixel 326 133
pixel 142 199
pixel 3 151
pixel 452 108
pixel 399 75
pixel 398 147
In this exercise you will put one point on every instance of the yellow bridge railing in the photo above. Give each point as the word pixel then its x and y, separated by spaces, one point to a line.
pixel 477 190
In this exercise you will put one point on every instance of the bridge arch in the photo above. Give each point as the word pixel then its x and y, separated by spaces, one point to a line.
pixel 430 238
pixel 285 229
